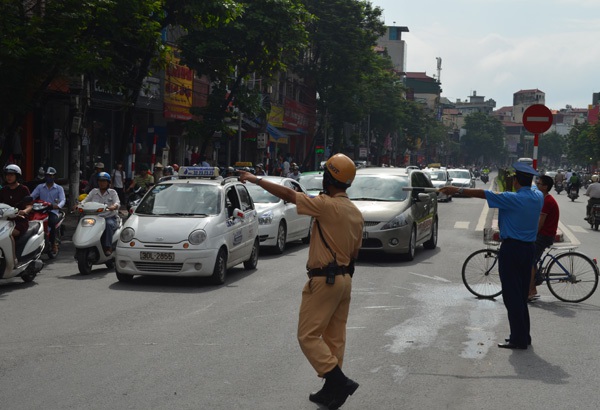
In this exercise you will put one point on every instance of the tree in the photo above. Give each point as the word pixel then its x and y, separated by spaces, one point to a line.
pixel 484 140
pixel 552 146
pixel 266 37
pixel 583 144
pixel 342 37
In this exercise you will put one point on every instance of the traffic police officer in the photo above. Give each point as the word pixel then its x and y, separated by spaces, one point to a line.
pixel 518 216
pixel 336 237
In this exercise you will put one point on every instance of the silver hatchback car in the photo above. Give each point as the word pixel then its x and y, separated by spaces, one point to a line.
pixel 399 215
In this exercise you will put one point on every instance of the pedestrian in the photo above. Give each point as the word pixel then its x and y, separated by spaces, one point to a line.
pixel 118 180
pixel 54 194
pixel 518 217
pixel 334 245
pixel 547 226
pixel 93 181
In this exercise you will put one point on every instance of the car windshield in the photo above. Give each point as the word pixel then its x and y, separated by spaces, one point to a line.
pixel 261 196
pixel 437 175
pixel 460 174
pixel 181 200
pixel 378 188
pixel 312 182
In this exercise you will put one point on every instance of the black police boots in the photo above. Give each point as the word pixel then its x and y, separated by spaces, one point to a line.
pixel 336 390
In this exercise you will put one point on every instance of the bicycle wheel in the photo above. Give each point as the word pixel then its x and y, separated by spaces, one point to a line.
pixel 480 273
pixel 572 277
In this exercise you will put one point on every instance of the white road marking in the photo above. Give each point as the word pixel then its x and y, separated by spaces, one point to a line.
pixel 577 228
pixel 385 307
pixel 483 217
pixel 566 232
pixel 431 277
pixel 461 225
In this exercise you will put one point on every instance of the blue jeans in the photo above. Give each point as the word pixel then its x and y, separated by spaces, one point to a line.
pixel 109 231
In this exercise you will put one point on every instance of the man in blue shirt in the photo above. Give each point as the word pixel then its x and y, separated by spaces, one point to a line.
pixel 55 194
pixel 518 216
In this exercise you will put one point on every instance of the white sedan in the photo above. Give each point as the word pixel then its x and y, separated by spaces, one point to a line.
pixel 278 221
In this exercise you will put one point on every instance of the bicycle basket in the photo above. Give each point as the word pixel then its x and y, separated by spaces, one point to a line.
pixel 491 236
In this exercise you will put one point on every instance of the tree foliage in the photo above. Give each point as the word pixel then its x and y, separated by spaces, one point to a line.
pixel 484 141
pixel 342 36
pixel 583 144
pixel 552 147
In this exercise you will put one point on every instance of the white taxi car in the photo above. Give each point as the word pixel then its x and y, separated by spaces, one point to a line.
pixel 278 220
pixel 197 225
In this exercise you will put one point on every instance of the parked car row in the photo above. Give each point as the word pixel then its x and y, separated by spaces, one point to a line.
pixel 202 224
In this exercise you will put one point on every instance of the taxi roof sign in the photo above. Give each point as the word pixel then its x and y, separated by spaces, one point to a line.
pixel 198 172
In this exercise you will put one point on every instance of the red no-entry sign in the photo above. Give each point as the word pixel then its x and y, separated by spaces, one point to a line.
pixel 537 119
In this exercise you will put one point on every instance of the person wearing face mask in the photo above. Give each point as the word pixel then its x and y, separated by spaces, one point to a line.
pixel 53 193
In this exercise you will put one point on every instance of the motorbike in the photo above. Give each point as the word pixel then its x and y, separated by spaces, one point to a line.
pixel 135 197
pixel 558 187
pixel 594 218
pixel 88 235
pixel 40 212
pixel 29 247
pixel 485 177
pixel 573 193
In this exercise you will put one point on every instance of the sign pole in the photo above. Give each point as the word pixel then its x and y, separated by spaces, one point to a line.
pixel 535 150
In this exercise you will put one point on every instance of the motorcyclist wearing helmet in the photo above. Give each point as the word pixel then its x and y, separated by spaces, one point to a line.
pixel 334 244
pixel 295 174
pixel 15 194
pixel 108 196
pixel 54 194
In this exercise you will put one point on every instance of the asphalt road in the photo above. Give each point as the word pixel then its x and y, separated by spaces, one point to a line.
pixel 417 339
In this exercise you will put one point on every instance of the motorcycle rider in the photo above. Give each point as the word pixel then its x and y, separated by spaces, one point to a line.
pixel 105 195
pixel 574 182
pixel 93 181
pixel 559 178
pixel 593 191
pixel 17 195
pixel 142 179
pixel 55 194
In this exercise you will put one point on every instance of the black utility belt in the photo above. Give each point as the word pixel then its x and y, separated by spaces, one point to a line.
pixel 340 270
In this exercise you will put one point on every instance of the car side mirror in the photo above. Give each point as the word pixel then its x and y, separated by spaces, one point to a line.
pixel 237 213
pixel 422 197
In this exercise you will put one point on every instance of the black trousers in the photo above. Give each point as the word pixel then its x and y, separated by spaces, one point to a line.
pixel 515 260
pixel 52 221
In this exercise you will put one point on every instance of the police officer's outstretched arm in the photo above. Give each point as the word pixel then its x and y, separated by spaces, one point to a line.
pixel 280 191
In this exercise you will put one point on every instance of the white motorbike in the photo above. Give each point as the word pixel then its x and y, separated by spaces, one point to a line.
pixel 88 235
pixel 29 247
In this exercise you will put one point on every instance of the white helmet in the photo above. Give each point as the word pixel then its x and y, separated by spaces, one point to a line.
pixel 594 178
pixel 50 171
pixel 12 169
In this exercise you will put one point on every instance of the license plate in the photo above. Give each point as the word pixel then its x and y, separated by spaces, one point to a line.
pixel 157 256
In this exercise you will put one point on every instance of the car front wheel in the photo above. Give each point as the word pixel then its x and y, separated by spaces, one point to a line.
pixel 253 260
pixel 410 254
pixel 220 270
pixel 432 242
pixel 281 237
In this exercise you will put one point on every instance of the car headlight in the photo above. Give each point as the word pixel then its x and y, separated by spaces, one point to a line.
pixel 266 218
pixel 197 237
pixel 396 222
pixel 127 234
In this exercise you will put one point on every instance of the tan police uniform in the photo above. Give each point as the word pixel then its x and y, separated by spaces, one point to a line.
pixel 324 307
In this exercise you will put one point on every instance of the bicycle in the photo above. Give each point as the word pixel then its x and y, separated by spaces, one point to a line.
pixel 570 276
